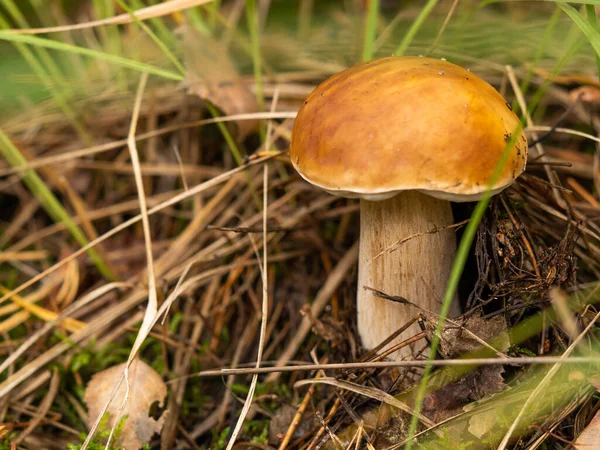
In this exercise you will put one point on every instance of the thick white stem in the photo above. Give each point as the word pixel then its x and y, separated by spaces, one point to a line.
pixel 417 270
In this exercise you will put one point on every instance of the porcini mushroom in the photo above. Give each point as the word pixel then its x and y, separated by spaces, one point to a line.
pixel 406 135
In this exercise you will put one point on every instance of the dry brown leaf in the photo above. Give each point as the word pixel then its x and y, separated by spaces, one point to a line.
pixel 589 439
pixel 486 380
pixel 586 94
pixel 459 340
pixel 145 388
pixel 212 76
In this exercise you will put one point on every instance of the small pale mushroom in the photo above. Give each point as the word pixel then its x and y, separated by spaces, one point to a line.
pixel 406 135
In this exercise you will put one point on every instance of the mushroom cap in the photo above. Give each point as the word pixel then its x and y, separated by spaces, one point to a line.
pixel 406 123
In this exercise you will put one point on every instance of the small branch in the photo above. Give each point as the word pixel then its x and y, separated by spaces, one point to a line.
pixel 398 243
pixel 540 360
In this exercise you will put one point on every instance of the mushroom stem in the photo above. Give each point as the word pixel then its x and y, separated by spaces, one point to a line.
pixel 417 270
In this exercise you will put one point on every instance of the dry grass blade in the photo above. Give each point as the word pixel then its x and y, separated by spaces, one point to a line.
pixel 174 200
pixel 560 301
pixel 40 162
pixel 152 305
pixel 264 306
pixel 298 416
pixel 43 409
pixel 541 154
pixel 563 130
pixel 367 391
pixel 336 276
pixel 149 12
pixel 43 313
pixel 100 324
pixel 34 255
pixel 94 295
pixel 139 340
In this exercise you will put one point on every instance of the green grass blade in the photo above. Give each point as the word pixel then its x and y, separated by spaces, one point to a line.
pixel 467 240
pixel 370 30
pixel 581 2
pixel 590 32
pixel 253 26
pixel 43 55
pixel 591 13
pixel 237 156
pixel 213 8
pixel 57 94
pixel 161 28
pixel 73 65
pixel 252 19
pixel 110 37
pixel 119 60
pixel 198 22
pixel 539 93
pixel 539 52
pixel 154 37
pixel 304 19
pixel 235 152
pixel 49 202
pixel 414 27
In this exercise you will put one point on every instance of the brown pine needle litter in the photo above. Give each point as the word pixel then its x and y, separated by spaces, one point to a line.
pixel 233 280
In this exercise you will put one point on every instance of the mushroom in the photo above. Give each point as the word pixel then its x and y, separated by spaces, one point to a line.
pixel 406 135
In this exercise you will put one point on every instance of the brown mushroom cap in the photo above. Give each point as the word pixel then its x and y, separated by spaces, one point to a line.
pixel 404 123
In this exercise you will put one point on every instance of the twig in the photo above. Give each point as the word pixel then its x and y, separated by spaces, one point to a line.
pixel 398 243
pixel 150 12
pixel 415 363
pixel 453 322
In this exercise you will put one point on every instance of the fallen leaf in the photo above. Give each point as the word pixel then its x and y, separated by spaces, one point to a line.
pixel 211 75
pixel 459 340
pixel 449 400
pixel 586 94
pixel 590 437
pixel 145 388
pixel 465 336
